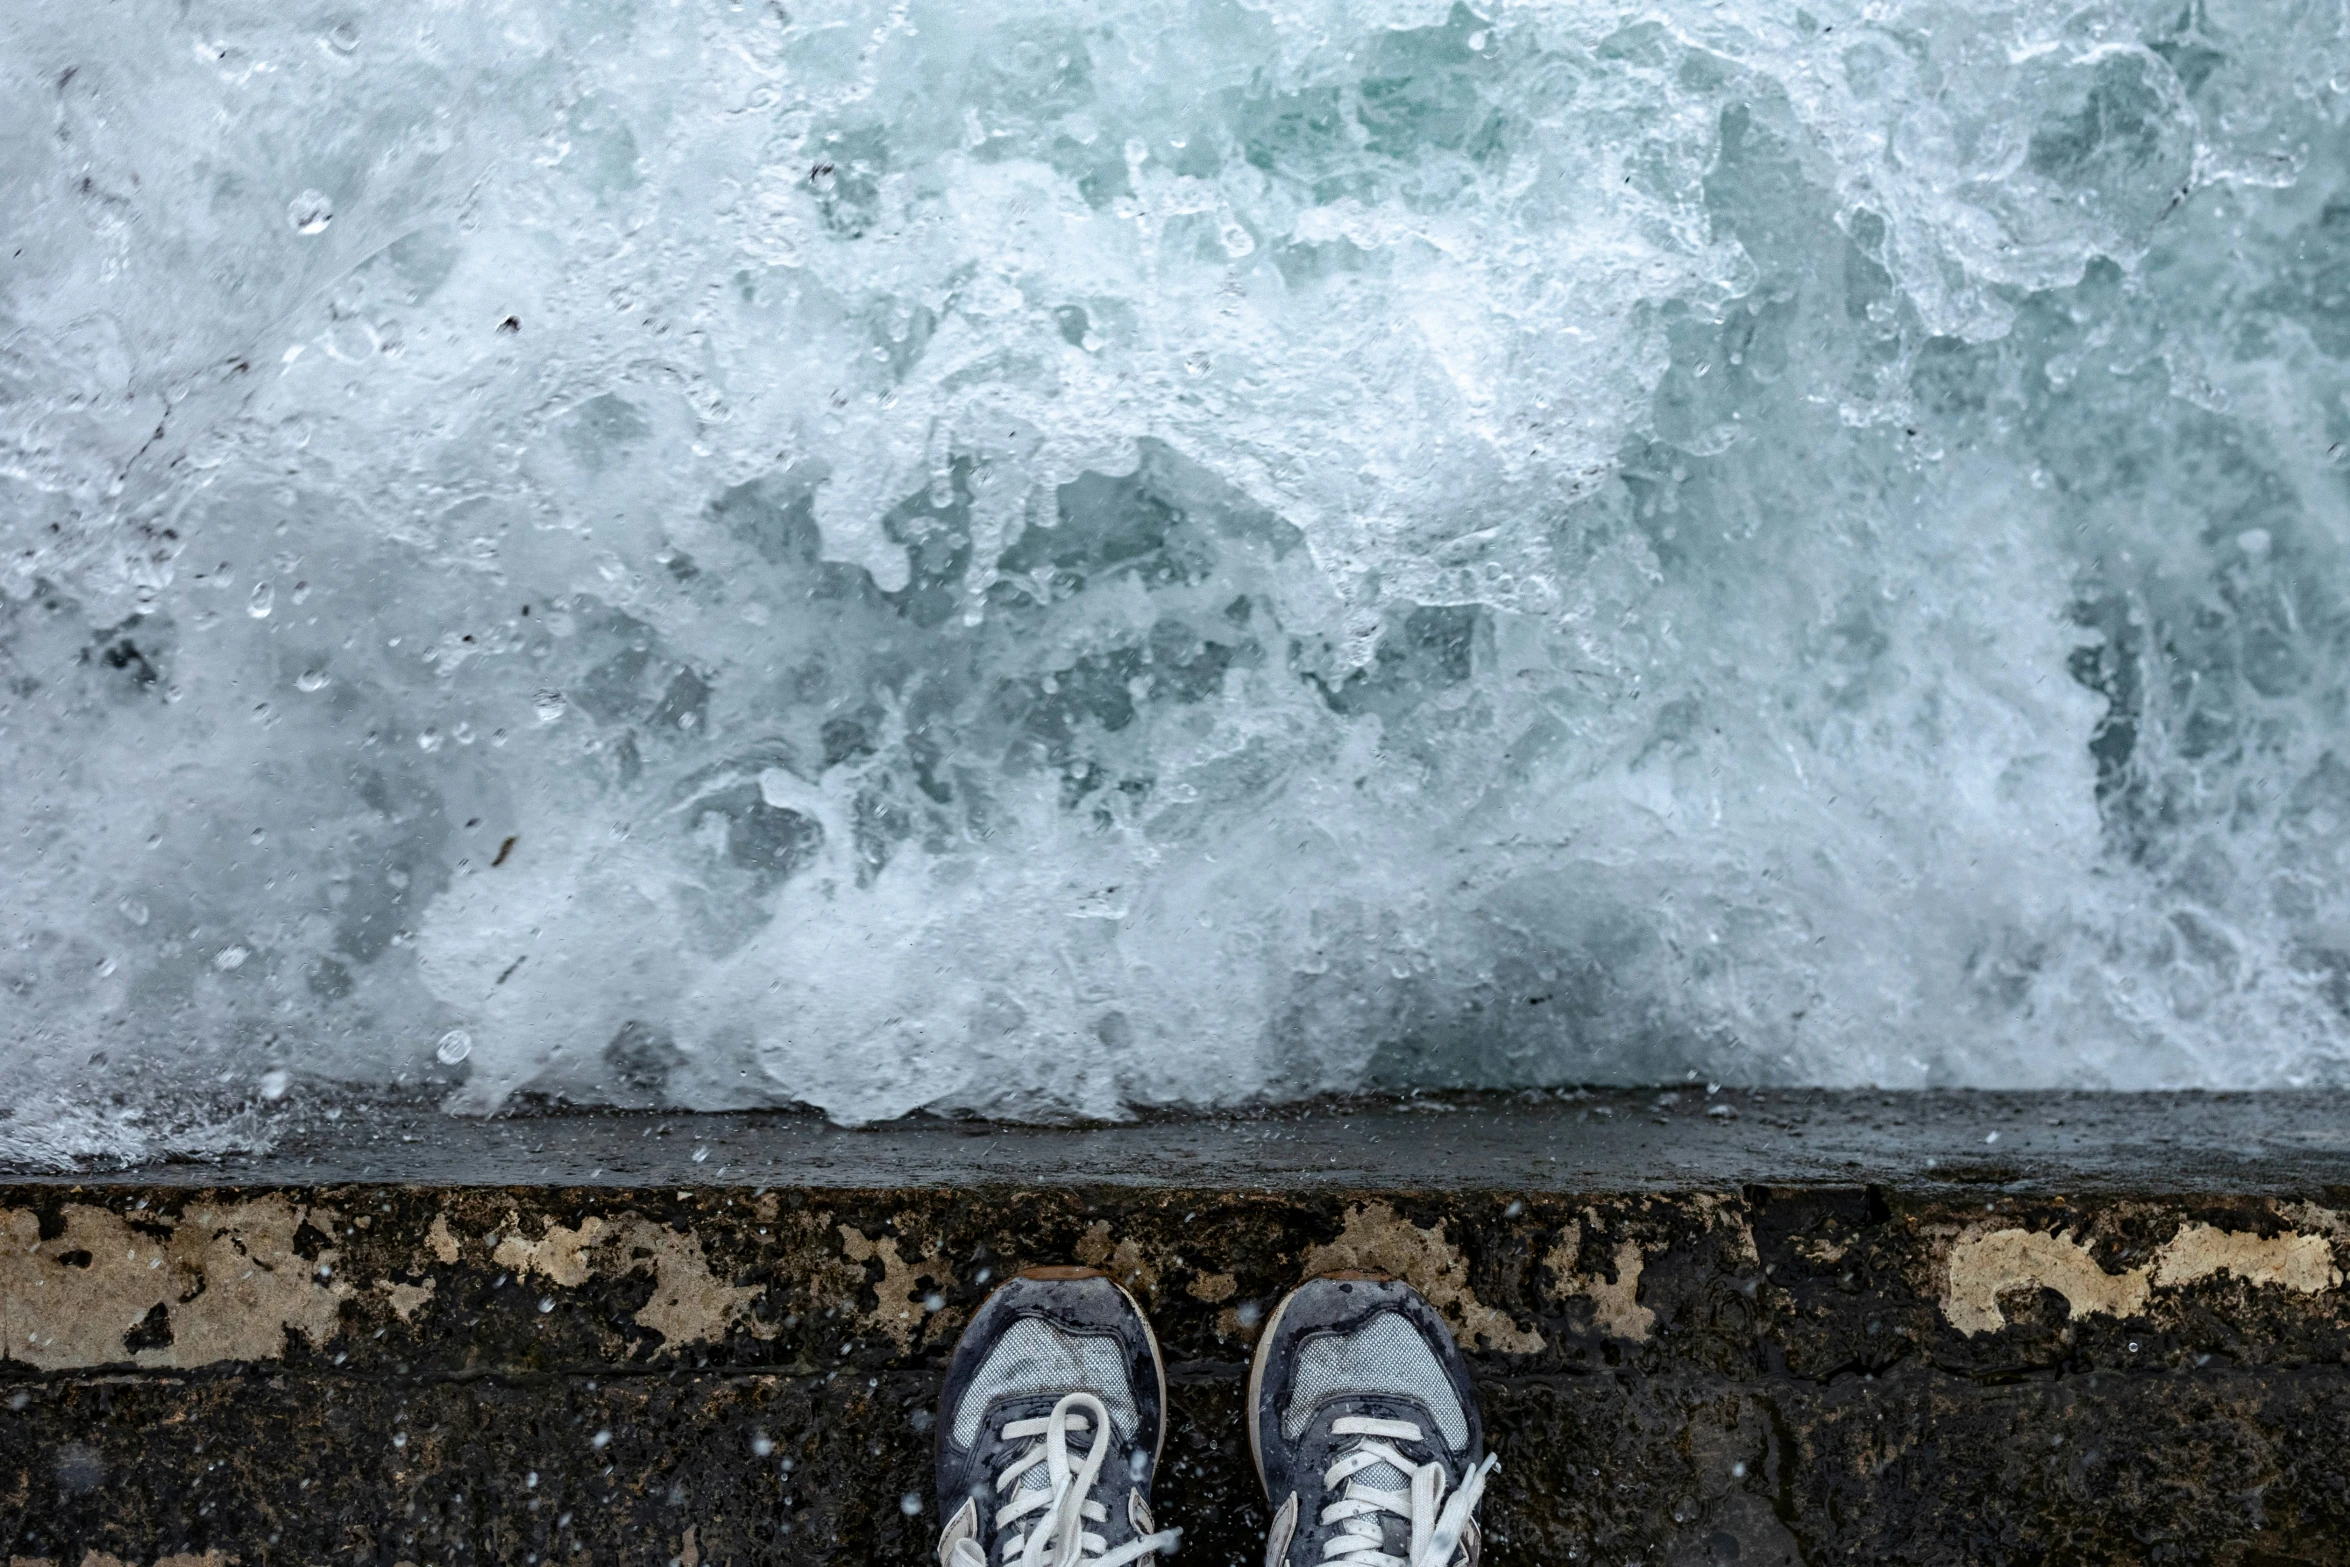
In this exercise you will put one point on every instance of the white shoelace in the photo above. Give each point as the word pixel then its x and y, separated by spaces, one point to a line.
pixel 1059 1537
pixel 1436 1523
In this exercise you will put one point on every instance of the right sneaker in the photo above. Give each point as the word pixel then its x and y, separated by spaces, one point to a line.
pixel 1050 1426
pixel 1363 1420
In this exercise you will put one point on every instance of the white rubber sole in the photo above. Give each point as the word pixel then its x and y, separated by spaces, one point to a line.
pixel 1256 1383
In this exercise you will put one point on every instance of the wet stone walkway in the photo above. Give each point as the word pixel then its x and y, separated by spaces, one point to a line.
pixel 1710 1328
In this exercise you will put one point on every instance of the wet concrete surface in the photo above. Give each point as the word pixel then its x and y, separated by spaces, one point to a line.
pixel 2118 1332
pixel 1647 1139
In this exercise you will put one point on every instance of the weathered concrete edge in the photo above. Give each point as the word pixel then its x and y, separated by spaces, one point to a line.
pixel 1681 1138
pixel 1811 1368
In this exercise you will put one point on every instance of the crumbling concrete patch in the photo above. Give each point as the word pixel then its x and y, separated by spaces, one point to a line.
pixel 2314 1219
pixel 1377 1239
pixel 560 1256
pixel 1821 1251
pixel 1122 1260
pixel 1213 1288
pixel 406 1299
pixel 1984 1264
pixel 1615 1303
pixel 898 1310
pixel 219 1283
pixel 690 1304
pixel 1721 1211
pixel 2200 1251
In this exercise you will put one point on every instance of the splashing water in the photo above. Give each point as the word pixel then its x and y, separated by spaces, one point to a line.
pixel 889 555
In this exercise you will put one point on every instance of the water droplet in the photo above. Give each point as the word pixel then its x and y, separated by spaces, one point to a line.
pixel 231 958
pixel 546 1304
pixel 549 705
pixel 399 1439
pixel 429 739
pixel 311 680
pixel 310 212
pixel 264 600
pixel 701 1155
pixel 275 1082
pixel 934 1301
pixel 132 909
pixel 1991 1137
pixel 911 1504
pixel 600 1441
pixel 454 1047
pixel 344 37
pixel 761 1444
pixel 1514 1209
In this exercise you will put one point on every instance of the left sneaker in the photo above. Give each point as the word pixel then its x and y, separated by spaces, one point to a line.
pixel 1363 1421
pixel 1050 1427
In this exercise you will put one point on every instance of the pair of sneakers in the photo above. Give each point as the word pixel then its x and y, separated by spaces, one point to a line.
pixel 1361 1416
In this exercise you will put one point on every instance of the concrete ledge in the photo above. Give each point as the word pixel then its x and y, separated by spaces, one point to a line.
pixel 2119 1332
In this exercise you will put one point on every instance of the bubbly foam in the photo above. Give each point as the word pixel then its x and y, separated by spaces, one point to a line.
pixel 897 555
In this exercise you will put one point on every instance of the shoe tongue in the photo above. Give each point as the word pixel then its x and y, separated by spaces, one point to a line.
pixel 1039 1476
pixel 1381 1476
pixel 1386 1477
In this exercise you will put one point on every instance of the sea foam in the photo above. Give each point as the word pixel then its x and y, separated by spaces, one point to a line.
pixel 886 555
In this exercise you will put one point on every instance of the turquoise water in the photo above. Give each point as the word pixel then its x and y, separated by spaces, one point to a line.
pixel 896 555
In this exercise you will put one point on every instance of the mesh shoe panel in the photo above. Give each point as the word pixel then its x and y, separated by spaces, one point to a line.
pixel 1384 1355
pixel 1033 1356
